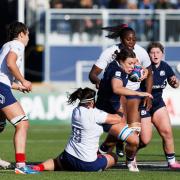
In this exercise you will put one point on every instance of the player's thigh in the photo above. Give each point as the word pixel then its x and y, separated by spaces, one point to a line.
pixel 116 129
pixel 13 110
pixel 161 121
pixel 132 108
pixel 146 130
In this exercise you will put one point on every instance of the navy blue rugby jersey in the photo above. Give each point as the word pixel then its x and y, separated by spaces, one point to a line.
pixel 161 75
pixel 107 100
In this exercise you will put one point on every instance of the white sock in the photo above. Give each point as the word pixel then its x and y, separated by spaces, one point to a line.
pixel 171 158
pixel 20 164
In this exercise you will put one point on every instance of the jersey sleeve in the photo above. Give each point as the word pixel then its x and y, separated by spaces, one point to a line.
pixel 117 75
pixel 144 57
pixel 99 116
pixel 105 58
pixel 169 71
pixel 17 48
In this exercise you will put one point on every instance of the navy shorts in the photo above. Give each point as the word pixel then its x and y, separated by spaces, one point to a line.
pixel 108 106
pixel 6 96
pixel 71 163
pixel 157 103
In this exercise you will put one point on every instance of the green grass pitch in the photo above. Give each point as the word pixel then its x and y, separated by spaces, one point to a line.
pixel 47 141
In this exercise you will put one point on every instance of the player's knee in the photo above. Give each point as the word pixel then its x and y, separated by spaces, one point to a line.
pixel 134 140
pixel 136 127
pixel 112 159
pixel 2 125
pixel 166 134
pixel 144 141
pixel 142 144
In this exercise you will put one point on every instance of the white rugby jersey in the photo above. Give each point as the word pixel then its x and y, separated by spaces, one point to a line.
pixel 86 131
pixel 107 56
pixel 17 47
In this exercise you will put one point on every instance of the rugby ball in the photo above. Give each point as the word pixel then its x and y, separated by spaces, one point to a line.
pixel 136 73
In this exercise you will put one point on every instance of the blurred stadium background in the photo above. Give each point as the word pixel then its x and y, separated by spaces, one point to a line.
pixel 65 40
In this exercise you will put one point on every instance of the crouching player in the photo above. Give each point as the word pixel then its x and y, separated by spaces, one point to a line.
pixel 10 62
pixel 80 153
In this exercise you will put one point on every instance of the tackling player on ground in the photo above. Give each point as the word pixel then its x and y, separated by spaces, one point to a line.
pixel 80 153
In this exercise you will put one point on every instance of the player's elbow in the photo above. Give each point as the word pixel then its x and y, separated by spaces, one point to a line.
pixel 10 65
pixel 91 77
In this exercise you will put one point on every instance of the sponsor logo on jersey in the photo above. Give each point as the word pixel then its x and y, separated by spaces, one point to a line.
pixel 143 112
pixel 162 73
pixel 2 99
pixel 118 73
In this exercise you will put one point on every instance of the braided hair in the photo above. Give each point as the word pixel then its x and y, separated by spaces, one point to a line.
pixel 118 31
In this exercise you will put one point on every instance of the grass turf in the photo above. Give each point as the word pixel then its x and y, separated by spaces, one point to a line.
pixel 47 141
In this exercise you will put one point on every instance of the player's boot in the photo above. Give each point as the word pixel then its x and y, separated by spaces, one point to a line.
pixel 25 170
pixel 120 149
pixel 103 149
pixel 4 164
pixel 175 165
pixel 132 166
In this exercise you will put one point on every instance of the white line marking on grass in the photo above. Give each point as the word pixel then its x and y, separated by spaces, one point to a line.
pixel 39 141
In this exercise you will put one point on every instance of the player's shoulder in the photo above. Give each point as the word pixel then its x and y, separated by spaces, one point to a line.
pixel 164 64
pixel 112 48
pixel 139 48
pixel 16 44
pixel 113 65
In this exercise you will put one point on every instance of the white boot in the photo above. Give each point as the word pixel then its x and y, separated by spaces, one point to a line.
pixel 4 164
pixel 132 166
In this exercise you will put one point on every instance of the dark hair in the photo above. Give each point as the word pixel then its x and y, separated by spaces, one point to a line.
pixel 155 45
pixel 124 54
pixel 14 29
pixel 83 95
pixel 118 31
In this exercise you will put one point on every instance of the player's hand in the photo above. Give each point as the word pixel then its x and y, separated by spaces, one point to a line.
pixel 97 85
pixel 174 82
pixel 144 94
pixel 147 103
pixel 23 89
pixel 27 85
pixel 144 74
